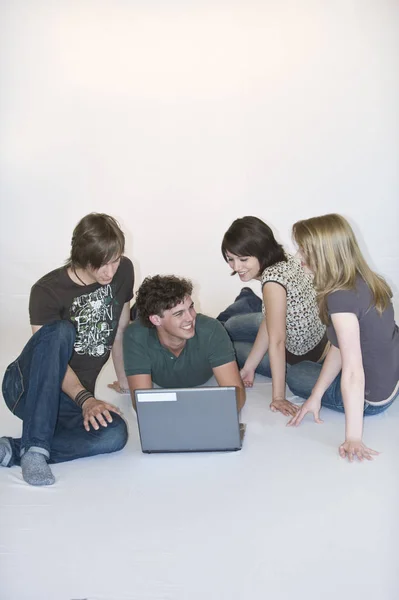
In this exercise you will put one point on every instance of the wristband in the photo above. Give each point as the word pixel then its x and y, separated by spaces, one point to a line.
pixel 82 396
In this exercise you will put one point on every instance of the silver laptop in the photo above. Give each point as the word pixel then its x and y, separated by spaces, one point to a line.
pixel 201 419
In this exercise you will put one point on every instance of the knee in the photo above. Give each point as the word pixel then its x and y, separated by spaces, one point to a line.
pixel 115 435
pixel 234 325
pixel 64 331
pixel 229 324
pixel 245 327
pixel 291 379
pixel 242 350
pixel 302 377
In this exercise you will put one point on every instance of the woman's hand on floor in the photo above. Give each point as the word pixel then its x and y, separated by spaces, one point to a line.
pixel 286 407
pixel 247 376
pixel 117 388
pixel 351 449
pixel 312 405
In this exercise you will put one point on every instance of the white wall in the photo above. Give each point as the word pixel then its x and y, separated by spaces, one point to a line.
pixel 178 117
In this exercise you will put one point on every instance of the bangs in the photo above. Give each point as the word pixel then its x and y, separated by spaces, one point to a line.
pixel 105 252
pixel 239 247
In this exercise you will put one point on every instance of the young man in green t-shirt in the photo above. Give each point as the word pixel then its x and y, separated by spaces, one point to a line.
pixel 174 347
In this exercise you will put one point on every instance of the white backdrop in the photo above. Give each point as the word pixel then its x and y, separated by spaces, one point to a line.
pixel 178 117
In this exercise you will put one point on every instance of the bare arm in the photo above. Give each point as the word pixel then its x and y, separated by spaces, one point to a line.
pixel 347 329
pixel 275 299
pixel 138 382
pixel 347 358
pixel 117 348
pixel 330 369
pixel 346 326
pixel 256 354
pixel 228 375
pixel 259 348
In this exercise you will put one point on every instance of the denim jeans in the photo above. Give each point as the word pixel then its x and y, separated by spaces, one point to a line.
pixel 243 330
pixel 301 379
pixel 52 422
pixel 246 302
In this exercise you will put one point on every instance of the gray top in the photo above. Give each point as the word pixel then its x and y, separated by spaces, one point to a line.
pixel 379 339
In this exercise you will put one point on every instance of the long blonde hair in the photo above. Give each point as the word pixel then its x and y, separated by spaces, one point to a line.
pixel 330 250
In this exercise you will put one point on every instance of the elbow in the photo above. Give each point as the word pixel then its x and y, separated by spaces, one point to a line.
pixel 277 343
pixel 353 377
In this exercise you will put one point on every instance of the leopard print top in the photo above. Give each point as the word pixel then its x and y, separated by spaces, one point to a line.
pixel 304 329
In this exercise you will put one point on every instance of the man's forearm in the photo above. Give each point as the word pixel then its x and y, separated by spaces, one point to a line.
pixel 71 385
pixel 117 358
pixel 138 382
pixel 241 397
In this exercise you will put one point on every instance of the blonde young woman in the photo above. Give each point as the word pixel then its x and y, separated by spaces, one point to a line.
pixel 360 375
pixel 290 329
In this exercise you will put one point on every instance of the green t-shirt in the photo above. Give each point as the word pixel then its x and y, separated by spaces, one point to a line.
pixel 210 347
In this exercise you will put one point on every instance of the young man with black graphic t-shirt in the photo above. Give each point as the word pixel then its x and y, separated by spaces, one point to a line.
pixel 78 313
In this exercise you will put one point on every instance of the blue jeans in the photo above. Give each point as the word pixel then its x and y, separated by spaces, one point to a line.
pixel 246 302
pixel 52 422
pixel 243 330
pixel 301 379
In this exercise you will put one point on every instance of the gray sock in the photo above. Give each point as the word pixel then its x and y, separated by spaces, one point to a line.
pixel 35 469
pixel 5 449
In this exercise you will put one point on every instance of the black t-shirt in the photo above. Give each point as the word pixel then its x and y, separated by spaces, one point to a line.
pixel 94 310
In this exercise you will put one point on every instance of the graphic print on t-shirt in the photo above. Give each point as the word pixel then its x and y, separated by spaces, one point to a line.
pixel 92 315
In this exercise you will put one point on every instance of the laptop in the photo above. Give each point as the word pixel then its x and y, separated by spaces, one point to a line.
pixel 200 419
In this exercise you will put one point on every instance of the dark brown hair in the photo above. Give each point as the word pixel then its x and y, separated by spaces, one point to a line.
pixel 96 240
pixel 159 293
pixel 249 236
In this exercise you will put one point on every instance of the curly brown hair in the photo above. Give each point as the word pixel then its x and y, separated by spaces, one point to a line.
pixel 159 293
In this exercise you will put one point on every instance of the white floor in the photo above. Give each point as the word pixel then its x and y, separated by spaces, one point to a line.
pixel 283 519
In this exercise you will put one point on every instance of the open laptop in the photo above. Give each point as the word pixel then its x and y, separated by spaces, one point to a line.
pixel 201 419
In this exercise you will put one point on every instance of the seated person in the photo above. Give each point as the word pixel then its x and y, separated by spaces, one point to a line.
pixel 360 375
pixel 290 330
pixel 78 314
pixel 174 347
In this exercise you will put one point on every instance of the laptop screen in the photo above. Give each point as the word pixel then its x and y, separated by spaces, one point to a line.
pixel 188 419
